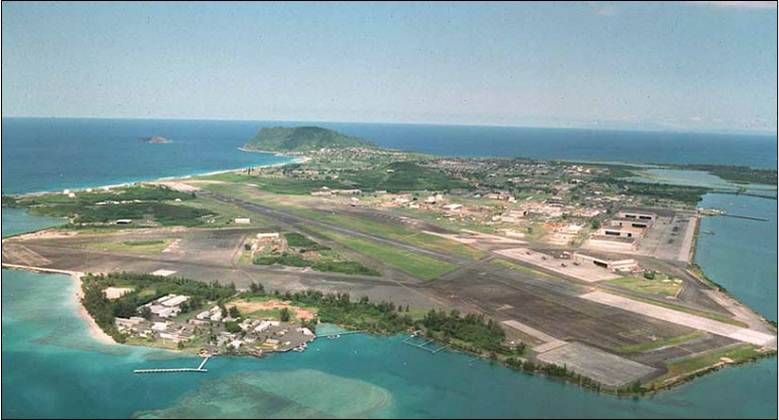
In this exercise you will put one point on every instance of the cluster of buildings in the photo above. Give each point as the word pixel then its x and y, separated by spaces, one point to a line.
pixel 167 306
pixel 624 231
pixel 259 336
pixel 253 337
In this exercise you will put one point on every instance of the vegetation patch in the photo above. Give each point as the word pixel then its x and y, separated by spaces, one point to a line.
pixel 659 284
pixel 302 251
pixel 396 232
pixel 144 246
pixel 417 265
pixel 711 359
pixel 470 332
pixel 652 345
pixel 404 176
pixel 302 139
pixel 142 205
pixel 518 267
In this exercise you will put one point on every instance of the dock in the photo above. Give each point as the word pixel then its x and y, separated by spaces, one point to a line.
pixel 336 335
pixel 424 345
pixel 199 369
pixel 171 370
pixel 738 216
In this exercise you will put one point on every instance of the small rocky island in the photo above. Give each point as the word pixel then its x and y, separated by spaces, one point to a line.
pixel 156 140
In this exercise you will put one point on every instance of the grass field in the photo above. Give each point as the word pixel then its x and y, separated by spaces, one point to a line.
pixel 279 185
pixel 396 232
pixel 661 285
pixel 687 366
pixel 517 267
pixel 419 266
pixel 155 246
pixel 224 213
pixel 651 345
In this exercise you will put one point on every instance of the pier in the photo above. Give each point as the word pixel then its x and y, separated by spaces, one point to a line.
pixel 199 369
pixel 720 212
pixel 336 335
pixel 424 345
pixel 759 219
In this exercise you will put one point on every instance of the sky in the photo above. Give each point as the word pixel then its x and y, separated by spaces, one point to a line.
pixel 685 66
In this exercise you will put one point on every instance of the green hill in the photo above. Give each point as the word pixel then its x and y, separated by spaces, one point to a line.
pixel 297 139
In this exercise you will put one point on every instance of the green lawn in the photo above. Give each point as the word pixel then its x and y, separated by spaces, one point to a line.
pixel 651 345
pixel 292 186
pixel 518 267
pixel 144 247
pixel 396 232
pixel 686 366
pixel 661 285
pixel 224 213
pixel 419 266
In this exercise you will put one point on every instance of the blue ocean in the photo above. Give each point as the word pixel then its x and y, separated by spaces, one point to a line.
pixel 53 368
pixel 45 154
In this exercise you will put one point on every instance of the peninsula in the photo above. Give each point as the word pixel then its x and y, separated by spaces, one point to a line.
pixel 572 270
pixel 302 139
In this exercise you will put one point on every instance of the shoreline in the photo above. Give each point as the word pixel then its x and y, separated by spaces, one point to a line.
pixel 293 160
pixel 95 331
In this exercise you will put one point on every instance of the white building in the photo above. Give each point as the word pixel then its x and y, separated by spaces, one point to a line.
pixel 268 236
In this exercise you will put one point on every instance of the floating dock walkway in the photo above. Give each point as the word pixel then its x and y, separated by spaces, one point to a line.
pixel 738 216
pixel 337 335
pixel 198 369
pixel 425 345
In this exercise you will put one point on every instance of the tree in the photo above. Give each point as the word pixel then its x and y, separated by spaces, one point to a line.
pixel 256 288
pixel 232 327
pixel 146 313
pixel 284 315
pixel 234 312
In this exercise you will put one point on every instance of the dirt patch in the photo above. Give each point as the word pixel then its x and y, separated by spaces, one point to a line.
pixel 246 306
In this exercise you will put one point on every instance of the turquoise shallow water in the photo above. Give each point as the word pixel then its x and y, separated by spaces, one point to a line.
pixel 17 221
pixel 53 368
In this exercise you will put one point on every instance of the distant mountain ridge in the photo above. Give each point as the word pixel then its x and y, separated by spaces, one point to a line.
pixel 298 139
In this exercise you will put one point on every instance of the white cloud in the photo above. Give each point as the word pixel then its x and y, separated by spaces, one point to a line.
pixel 738 4
pixel 603 9
pixel 606 11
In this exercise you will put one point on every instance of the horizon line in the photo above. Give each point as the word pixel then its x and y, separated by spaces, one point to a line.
pixel 754 132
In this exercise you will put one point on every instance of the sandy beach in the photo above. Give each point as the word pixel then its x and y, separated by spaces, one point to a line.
pixel 94 330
